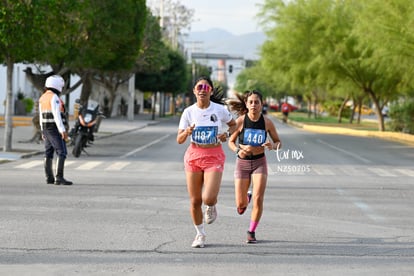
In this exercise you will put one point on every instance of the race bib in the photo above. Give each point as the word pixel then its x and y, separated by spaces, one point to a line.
pixel 254 137
pixel 205 135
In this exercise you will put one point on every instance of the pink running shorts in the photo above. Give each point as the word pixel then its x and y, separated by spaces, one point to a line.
pixel 197 159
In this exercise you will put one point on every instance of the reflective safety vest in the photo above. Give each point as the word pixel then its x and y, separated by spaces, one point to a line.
pixel 46 106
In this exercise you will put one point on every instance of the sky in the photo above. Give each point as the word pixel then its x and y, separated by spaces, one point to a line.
pixel 234 16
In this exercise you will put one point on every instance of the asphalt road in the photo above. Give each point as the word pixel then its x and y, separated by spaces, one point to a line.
pixel 335 205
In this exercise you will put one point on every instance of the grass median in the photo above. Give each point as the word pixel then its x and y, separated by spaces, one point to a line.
pixel 330 121
pixel 329 124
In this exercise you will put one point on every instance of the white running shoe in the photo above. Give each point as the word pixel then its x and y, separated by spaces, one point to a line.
pixel 199 241
pixel 210 214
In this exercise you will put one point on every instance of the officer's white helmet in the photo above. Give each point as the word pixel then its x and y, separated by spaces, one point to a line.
pixel 56 82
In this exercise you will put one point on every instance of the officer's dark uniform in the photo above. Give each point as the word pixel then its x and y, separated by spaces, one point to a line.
pixel 52 122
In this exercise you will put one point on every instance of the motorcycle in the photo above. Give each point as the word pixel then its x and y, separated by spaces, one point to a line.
pixel 85 125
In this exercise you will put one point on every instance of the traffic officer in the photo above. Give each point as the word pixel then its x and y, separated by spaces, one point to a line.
pixel 52 118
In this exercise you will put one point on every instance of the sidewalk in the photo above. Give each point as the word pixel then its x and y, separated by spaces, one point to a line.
pixel 22 133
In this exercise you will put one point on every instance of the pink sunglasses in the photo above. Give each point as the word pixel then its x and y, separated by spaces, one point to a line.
pixel 203 86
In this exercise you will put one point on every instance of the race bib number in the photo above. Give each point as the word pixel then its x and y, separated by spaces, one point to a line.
pixel 205 135
pixel 254 137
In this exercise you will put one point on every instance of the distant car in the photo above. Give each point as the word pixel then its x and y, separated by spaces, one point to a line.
pixel 265 108
pixel 274 107
pixel 365 110
pixel 292 107
pixel 385 111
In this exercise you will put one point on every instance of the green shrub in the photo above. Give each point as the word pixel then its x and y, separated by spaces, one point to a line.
pixel 28 104
pixel 402 116
pixel 332 108
pixel 20 96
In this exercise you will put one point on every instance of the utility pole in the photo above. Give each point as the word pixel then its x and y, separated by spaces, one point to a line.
pixel 131 101
pixel 194 46
pixel 162 15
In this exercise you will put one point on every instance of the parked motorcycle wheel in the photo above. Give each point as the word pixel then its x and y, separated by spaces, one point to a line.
pixel 77 148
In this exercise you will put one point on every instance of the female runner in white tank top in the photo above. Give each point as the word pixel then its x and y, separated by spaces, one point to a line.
pixel 205 123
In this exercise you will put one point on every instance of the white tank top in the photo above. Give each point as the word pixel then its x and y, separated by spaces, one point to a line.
pixel 208 122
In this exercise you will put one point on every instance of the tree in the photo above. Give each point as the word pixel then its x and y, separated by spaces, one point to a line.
pixel 387 26
pixel 257 78
pixel 171 78
pixel 114 33
pixel 314 44
pixel 175 18
pixel 350 57
pixel 20 28
pixel 96 37
pixel 294 31
pixel 175 76
pixel 152 60
pixel 153 54
pixel 78 37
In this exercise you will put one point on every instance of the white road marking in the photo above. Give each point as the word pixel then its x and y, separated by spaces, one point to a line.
pixel 365 208
pixel 381 172
pixel 406 172
pixel 352 171
pixel 323 171
pixel 117 166
pixel 68 163
pixel 89 165
pixel 356 156
pixel 30 164
pixel 145 146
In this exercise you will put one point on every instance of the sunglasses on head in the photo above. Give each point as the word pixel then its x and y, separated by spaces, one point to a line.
pixel 203 86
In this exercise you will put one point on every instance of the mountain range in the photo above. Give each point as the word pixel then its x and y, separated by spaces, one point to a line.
pixel 220 41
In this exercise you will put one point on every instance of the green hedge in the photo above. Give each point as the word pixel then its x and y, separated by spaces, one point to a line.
pixel 402 117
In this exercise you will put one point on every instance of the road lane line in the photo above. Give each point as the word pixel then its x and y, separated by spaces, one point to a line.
pixel 368 211
pixel 145 146
pixel 361 205
pixel 345 152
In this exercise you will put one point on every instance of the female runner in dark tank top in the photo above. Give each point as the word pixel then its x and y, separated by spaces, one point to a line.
pixel 249 142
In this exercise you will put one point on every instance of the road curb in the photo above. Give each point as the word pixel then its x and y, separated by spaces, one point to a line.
pixel 386 135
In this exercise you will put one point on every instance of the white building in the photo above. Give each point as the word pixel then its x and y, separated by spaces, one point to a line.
pixel 224 68
pixel 20 83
